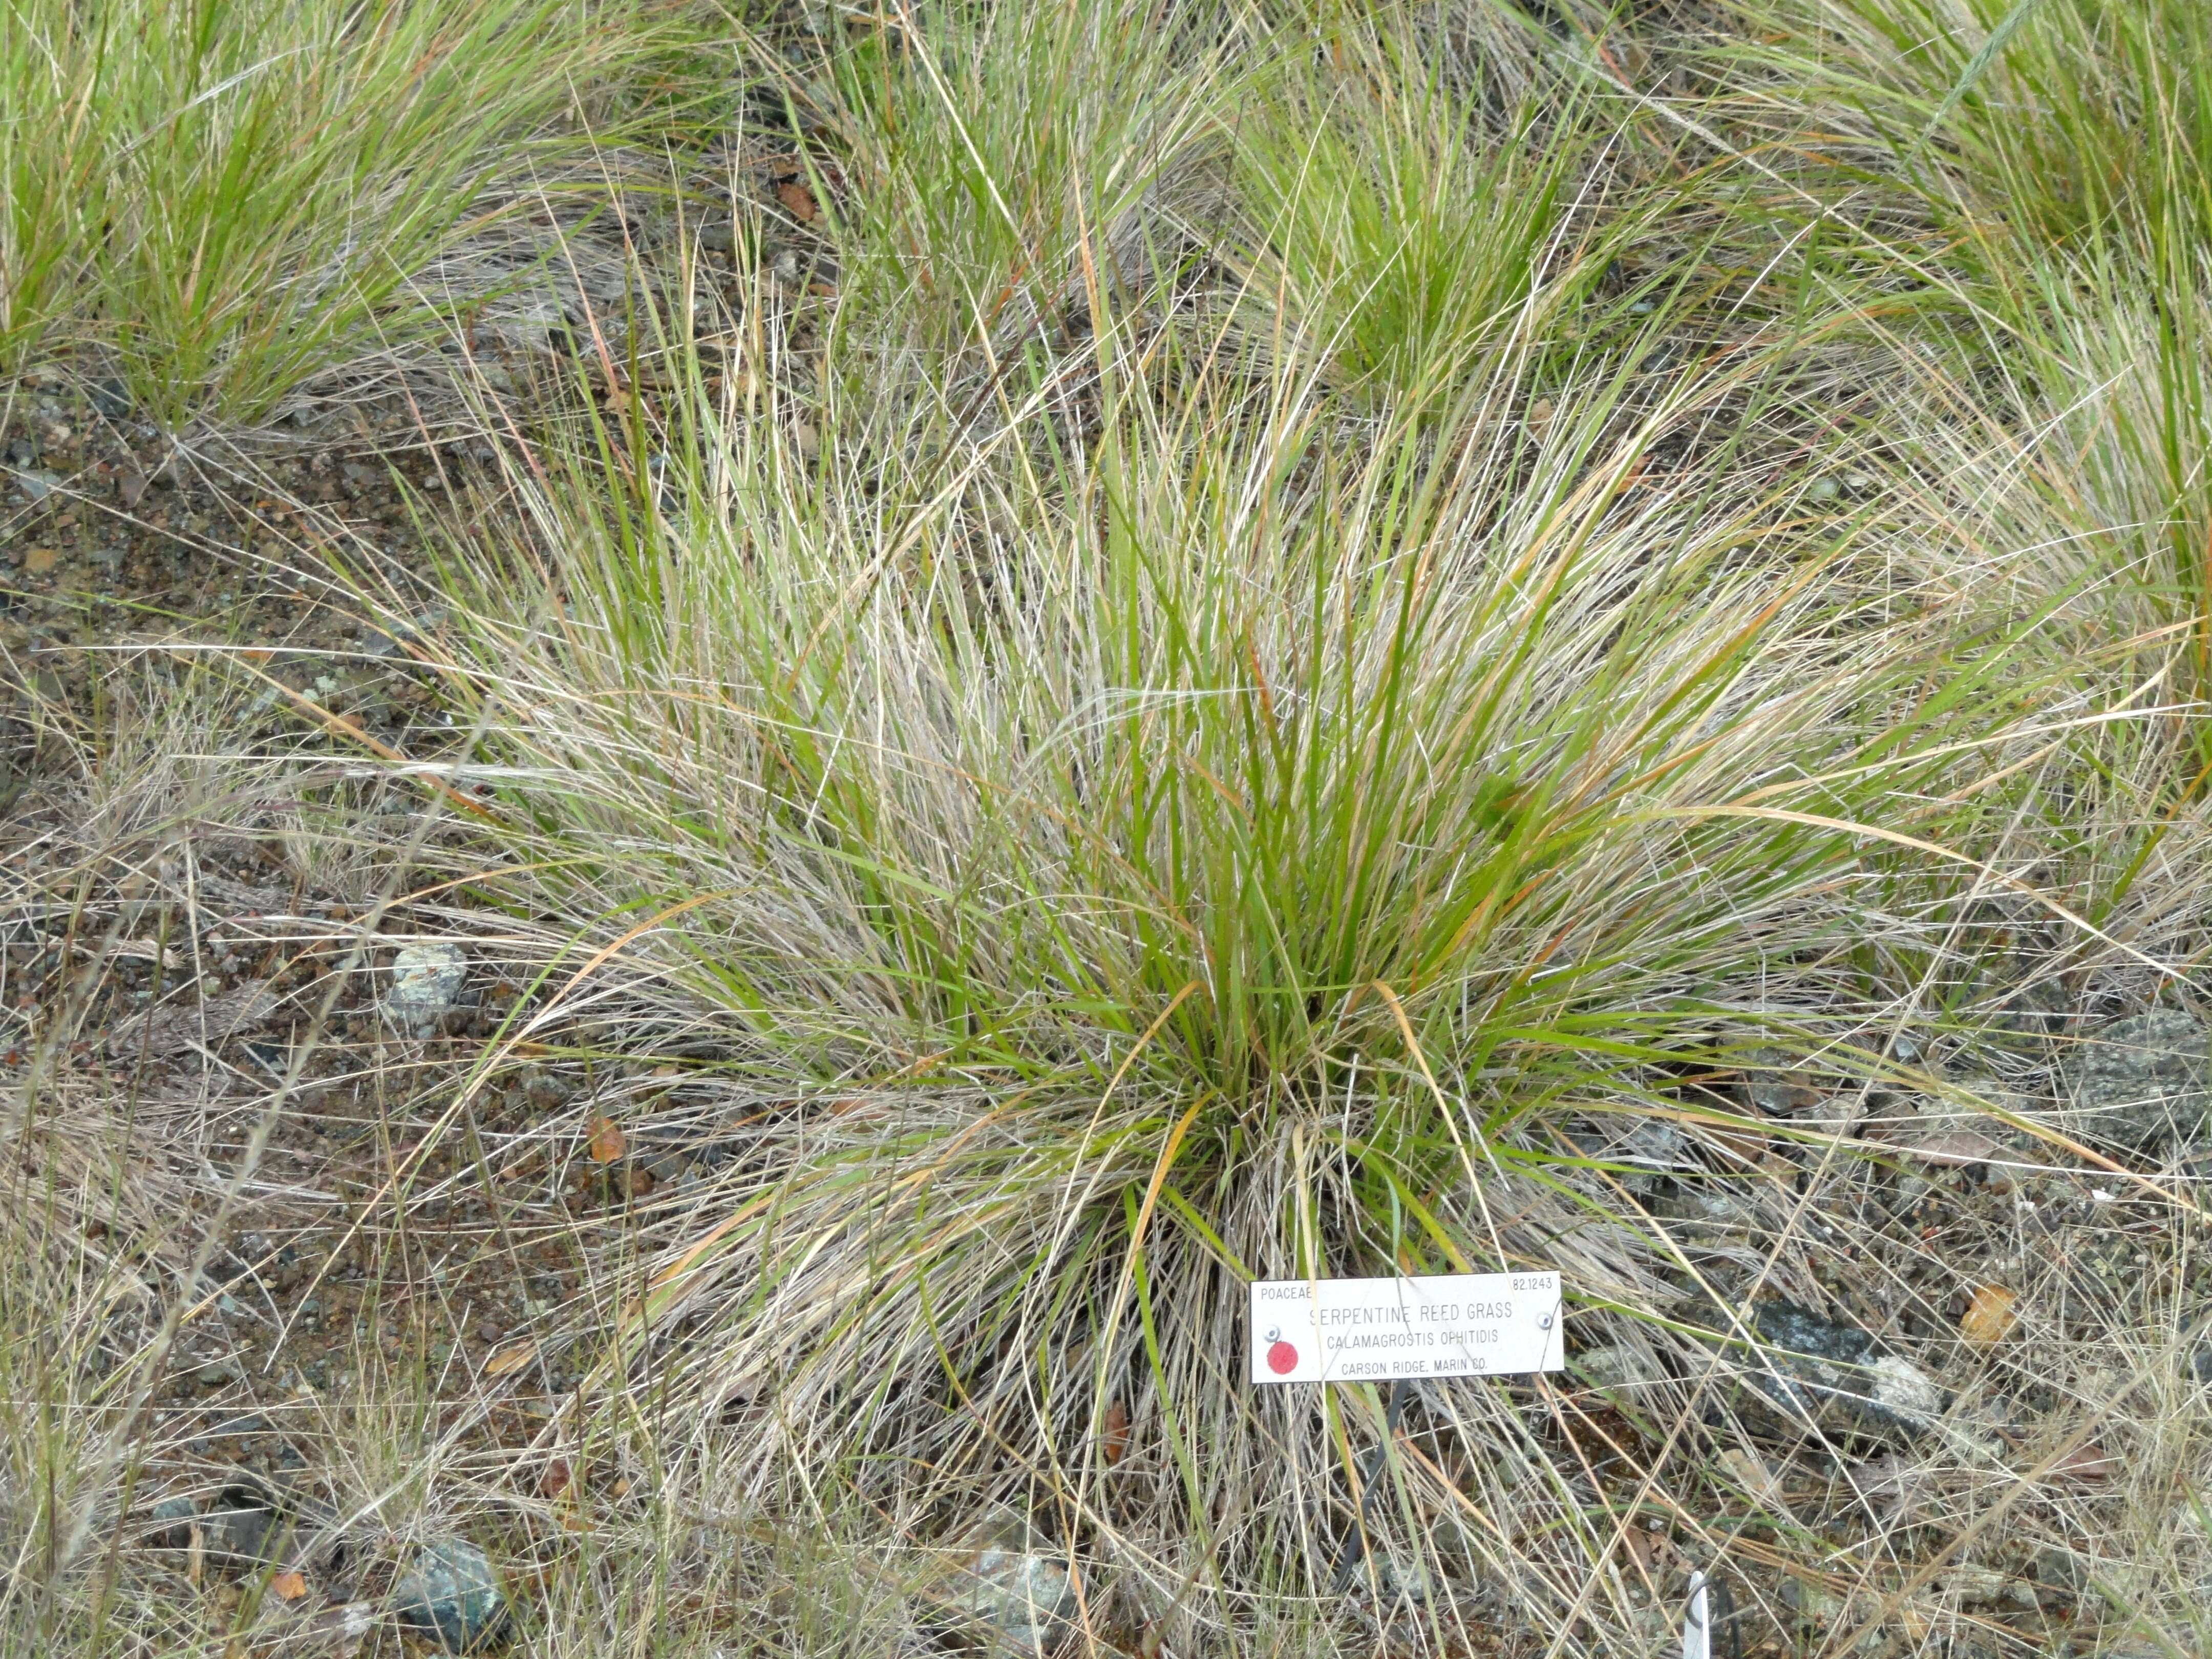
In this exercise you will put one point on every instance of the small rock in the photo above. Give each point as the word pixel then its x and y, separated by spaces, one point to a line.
pixel 110 398
pixel 41 562
pixel 1771 1087
pixel 426 982
pixel 449 1594
pixel 1813 1603
pixel 1616 1369
pixel 1952 1149
pixel 36 484
pixel 1975 1587
pixel 2140 1080
pixel 216 1372
pixel 2060 1575
pixel 1831 1376
pixel 1652 1149
pixel 719 236
pixel 1014 1586
pixel 545 1091
pixel 236 1532
pixel 170 1523
pixel 1710 1207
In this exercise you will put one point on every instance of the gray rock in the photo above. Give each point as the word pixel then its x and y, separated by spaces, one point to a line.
pixel 1026 1598
pixel 1710 1211
pixel 1397 1577
pixel 241 1529
pixel 37 485
pixel 2060 1575
pixel 169 1523
pixel 2142 1080
pixel 426 987
pixel 1617 1371
pixel 449 1594
pixel 1771 1085
pixel 1011 1581
pixel 1813 1374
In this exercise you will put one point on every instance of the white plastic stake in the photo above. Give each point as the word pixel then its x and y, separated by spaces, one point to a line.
pixel 1697 1620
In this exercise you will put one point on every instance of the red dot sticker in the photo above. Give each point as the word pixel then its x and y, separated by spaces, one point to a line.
pixel 1282 1357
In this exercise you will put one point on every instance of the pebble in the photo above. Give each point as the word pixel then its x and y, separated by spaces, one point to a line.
pixel 235 1532
pixel 449 1594
pixel 1616 1369
pixel 36 483
pixel 1011 1585
pixel 170 1523
pixel 1771 1087
pixel 1832 1377
pixel 425 981
pixel 2141 1080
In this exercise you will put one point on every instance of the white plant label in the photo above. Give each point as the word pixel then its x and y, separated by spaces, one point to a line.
pixel 1697 1620
pixel 1360 1330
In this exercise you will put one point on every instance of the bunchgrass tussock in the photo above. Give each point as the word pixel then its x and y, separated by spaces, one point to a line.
pixel 225 198
pixel 1262 842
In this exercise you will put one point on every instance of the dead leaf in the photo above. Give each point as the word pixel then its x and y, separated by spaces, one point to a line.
pixel 1989 1317
pixel 291 1584
pixel 2089 1462
pixel 1954 1149
pixel 608 1142
pixel 510 1359
pixel 798 201
pixel 555 1480
pixel 1749 1470
pixel 1114 1443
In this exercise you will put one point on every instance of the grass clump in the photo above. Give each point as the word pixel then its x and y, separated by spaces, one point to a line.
pixel 1269 840
pixel 226 199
